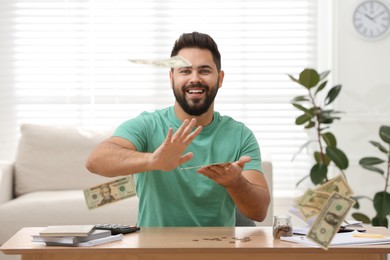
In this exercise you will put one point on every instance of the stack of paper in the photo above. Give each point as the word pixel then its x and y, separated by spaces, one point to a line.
pixel 75 235
pixel 344 239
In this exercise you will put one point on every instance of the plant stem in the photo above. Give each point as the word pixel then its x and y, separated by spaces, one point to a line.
pixel 318 129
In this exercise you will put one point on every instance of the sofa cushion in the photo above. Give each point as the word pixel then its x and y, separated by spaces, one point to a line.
pixel 53 158
pixel 45 208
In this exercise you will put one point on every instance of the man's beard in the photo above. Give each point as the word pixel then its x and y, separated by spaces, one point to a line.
pixel 198 107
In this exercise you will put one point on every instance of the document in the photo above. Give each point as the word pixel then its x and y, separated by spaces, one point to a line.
pixel 343 239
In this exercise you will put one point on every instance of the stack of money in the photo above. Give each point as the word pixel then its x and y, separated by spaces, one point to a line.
pixel 310 204
pixel 325 208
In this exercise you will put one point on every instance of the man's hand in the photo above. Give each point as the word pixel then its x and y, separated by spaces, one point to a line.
pixel 227 175
pixel 170 153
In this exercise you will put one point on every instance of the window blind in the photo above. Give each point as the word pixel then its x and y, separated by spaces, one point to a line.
pixel 65 62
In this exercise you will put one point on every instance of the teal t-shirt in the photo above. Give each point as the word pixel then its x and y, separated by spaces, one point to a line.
pixel 184 197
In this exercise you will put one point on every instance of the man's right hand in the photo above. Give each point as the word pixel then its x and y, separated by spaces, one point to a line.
pixel 170 153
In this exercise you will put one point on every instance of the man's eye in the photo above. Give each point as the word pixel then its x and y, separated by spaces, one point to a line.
pixel 205 71
pixel 184 71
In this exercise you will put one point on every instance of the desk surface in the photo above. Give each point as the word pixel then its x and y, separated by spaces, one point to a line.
pixel 205 240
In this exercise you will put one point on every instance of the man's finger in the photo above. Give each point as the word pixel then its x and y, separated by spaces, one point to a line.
pixel 169 136
pixel 243 160
pixel 185 158
pixel 194 134
pixel 180 131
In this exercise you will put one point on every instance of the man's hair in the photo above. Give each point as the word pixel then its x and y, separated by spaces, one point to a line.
pixel 198 40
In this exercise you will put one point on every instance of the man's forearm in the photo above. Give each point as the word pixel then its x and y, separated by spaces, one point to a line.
pixel 111 160
pixel 252 200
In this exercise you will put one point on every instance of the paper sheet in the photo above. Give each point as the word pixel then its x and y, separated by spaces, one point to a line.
pixel 340 239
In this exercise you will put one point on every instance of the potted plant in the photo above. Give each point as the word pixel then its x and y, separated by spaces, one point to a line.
pixel 318 115
pixel 381 200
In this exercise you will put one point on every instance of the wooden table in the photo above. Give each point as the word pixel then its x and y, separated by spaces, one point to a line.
pixel 193 244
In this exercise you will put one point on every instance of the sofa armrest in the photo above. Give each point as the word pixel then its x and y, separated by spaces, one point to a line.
pixel 6 181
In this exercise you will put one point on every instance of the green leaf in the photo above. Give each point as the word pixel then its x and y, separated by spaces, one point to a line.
pixel 317 157
pixel 311 124
pixel 361 217
pixel 321 87
pixel 332 94
pixel 356 205
pixel 379 146
pixel 324 74
pixel 380 221
pixel 329 139
pixel 370 161
pixel 382 204
pixel 373 169
pixel 293 79
pixel 326 116
pixel 331 111
pixel 384 133
pixel 318 173
pixel 300 98
pixel 303 119
pixel 338 157
pixel 309 78
pixel 304 109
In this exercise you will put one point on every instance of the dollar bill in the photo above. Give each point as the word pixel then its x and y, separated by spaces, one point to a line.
pixel 338 184
pixel 222 164
pixel 173 62
pixel 312 202
pixel 109 192
pixel 330 219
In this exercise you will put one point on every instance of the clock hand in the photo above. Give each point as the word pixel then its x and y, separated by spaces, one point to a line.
pixel 377 15
pixel 369 17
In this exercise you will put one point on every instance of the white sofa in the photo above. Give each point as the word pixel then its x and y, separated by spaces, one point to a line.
pixel 44 185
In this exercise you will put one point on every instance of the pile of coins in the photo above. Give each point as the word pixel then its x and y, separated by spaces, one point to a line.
pixel 282 231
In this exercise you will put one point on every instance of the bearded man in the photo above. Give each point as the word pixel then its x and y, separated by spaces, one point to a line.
pixel 162 147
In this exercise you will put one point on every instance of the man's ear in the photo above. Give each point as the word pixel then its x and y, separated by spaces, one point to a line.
pixel 170 76
pixel 221 76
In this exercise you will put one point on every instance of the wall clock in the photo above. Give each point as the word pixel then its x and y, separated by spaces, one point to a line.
pixel 371 19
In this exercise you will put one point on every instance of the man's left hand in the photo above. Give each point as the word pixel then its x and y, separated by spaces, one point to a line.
pixel 225 174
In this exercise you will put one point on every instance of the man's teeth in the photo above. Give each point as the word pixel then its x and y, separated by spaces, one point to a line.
pixel 195 91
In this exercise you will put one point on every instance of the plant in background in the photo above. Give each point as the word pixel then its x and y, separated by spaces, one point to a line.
pixel 381 200
pixel 317 115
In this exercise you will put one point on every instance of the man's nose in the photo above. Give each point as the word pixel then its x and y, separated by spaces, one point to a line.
pixel 195 77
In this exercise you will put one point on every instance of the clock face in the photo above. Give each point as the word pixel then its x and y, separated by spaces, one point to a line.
pixel 372 19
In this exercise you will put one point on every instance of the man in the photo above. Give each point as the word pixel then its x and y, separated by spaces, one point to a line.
pixel 159 146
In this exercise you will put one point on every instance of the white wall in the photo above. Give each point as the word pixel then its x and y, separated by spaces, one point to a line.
pixel 363 68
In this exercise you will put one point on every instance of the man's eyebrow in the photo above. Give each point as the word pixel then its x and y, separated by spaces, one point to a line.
pixel 205 66
pixel 200 67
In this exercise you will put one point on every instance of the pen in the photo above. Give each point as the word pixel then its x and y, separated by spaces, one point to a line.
pixel 365 235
